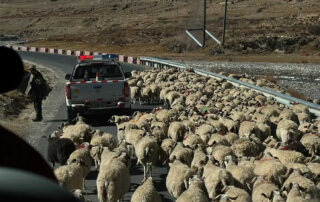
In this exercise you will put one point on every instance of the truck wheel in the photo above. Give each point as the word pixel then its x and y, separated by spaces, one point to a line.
pixel 71 115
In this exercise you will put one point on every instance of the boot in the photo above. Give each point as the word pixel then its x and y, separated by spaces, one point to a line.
pixel 37 119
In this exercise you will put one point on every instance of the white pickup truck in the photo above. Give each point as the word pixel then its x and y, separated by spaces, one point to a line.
pixel 97 84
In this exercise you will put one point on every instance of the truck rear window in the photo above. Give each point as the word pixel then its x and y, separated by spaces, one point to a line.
pixel 89 72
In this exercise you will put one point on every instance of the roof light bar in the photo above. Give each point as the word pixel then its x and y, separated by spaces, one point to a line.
pixel 85 57
pixel 106 57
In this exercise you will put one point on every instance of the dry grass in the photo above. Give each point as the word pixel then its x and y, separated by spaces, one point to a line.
pixel 271 79
pixel 14 94
pixel 296 94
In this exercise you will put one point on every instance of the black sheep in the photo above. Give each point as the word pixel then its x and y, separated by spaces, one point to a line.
pixel 59 150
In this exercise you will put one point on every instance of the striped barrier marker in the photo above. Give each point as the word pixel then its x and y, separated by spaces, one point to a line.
pixel 78 53
pixel 87 53
pixel 130 59
pixel 15 47
pixel 61 51
pixel 125 59
pixel 121 58
pixel 33 49
pixel 96 53
pixel 52 50
pixel 70 52
pixel 24 48
pixel 8 46
pixel 43 50
pixel 134 60
pixel 138 61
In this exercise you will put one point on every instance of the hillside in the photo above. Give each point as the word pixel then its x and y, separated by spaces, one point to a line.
pixel 261 28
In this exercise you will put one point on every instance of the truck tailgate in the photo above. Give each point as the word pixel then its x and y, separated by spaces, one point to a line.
pixel 97 94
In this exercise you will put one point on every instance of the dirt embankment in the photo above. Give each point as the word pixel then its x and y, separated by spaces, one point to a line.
pixel 256 30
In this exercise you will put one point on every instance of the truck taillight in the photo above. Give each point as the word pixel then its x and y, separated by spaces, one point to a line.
pixel 68 91
pixel 126 90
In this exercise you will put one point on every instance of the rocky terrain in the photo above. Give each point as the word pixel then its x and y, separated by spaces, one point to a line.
pixel 157 28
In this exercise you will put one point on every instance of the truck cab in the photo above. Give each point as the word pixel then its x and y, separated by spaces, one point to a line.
pixel 97 84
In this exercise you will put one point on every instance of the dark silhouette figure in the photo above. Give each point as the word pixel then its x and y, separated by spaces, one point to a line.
pixel 37 92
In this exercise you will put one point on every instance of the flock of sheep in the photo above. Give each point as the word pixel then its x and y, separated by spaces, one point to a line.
pixel 219 143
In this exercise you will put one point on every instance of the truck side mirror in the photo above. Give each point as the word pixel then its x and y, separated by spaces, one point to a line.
pixel 67 77
pixel 127 75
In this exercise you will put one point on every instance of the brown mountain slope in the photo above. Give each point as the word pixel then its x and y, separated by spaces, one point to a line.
pixel 152 27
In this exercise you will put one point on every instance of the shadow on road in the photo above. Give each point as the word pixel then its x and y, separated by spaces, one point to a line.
pixel 93 174
pixel 57 120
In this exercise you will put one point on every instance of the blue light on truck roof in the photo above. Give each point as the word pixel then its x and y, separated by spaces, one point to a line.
pixel 105 57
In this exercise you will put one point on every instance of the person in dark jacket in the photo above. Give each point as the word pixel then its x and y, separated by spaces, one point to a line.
pixel 37 92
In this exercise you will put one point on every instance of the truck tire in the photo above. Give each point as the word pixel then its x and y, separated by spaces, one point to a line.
pixel 71 115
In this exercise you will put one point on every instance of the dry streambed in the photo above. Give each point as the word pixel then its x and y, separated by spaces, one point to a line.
pixel 217 141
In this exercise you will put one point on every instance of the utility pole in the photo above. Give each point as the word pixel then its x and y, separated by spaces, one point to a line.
pixel 204 22
pixel 204 29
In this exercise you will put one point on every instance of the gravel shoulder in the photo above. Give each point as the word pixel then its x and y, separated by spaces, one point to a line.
pixel 301 78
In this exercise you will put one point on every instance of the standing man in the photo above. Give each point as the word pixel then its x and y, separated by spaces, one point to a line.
pixel 37 92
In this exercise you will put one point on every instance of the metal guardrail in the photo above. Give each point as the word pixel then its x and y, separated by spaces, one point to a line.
pixel 281 98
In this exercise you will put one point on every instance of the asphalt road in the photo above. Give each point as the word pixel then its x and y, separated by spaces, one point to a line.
pixel 54 112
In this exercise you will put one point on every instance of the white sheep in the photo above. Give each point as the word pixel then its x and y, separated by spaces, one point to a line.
pixel 181 153
pixel 146 93
pixel 235 194
pixel 170 97
pixel 113 180
pixel 199 159
pixel 119 119
pixel 295 194
pixel 146 192
pixel 195 191
pixel 305 183
pixel 288 115
pixel 286 156
pixel 192 141
pixel 218 139
pixel 147 151
pixel 70 176
pixel 311 142
pixel 166 148
pixel 103 139
pixel 176 181
pixel 164 115
pixel 81 156
pixel 98 141
pixel 78 133
pixel 213 176
pixel 263 191
pixel 248 128
pixel 219 152
pixel 241 174
pixel 135 94
pixel 271 169
pixel 287 130
pixel 176 131
pixel 132 136
pixel 205 131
